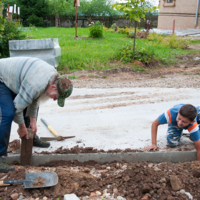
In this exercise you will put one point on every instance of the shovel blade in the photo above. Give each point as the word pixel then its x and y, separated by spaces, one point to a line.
pixel 49 179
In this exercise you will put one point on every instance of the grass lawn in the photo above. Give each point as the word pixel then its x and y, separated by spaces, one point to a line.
pixel 84 54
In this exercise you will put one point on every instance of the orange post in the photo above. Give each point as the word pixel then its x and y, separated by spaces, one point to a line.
pixel 7 11
pixel 173 27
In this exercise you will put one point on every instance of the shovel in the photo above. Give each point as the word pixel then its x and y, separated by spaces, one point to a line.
pixel 35 180
pixel 57 137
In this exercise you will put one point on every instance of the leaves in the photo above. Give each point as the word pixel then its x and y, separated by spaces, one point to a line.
pixel 134 9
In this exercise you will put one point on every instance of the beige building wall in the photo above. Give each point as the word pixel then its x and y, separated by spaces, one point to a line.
pixel 182 11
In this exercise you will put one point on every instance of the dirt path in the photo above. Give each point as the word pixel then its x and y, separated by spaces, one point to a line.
pixel 183 75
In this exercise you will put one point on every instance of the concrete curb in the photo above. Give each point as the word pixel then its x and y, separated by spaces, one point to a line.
pixel 154 157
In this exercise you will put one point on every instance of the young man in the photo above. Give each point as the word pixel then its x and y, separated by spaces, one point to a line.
pixel 178 118
pixel 24 83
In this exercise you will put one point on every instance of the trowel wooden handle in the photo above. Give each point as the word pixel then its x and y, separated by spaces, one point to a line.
pixel 3 184
pixel 50 128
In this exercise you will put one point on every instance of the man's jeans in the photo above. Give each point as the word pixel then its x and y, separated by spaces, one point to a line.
pixel 173 135
pixel 7 113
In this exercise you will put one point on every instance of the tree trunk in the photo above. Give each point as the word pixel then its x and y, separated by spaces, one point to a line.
pixel 57 20
pixel 134 39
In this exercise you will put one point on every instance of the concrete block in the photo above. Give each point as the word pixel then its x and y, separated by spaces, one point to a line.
pixel 45 49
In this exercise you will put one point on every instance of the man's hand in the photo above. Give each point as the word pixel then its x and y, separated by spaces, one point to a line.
pixel 33 125
pixel 22 131
pixel 152 147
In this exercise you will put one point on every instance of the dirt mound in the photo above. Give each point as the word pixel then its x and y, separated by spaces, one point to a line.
pixel 131 180
pixel 77 150
pixel 14 146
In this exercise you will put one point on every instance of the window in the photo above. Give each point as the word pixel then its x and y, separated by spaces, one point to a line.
pixel 169 3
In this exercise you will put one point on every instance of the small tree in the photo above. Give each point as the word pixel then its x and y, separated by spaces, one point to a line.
pixel 135 10
pixel 58 7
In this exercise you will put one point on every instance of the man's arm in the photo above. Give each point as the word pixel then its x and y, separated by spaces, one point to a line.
pixel 197 146
pixel 154 129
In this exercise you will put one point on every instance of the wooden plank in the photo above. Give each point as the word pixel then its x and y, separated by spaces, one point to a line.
pixel 26 149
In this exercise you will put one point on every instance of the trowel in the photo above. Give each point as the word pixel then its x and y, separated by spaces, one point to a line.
pixel 34 180
pixel 58 137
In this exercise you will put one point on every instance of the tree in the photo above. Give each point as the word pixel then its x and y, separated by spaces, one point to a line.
pixel 97 8
pixel 59 7
pixel 33 11
pixel 135 10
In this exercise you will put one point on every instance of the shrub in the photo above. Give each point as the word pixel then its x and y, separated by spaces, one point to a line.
pixel 131 34
pixel 10 32
pixel 35 20
pixel 96 29
pixel 124 31
pixel 2 21
pixel 172 41
pixel 126 54
pixel 175 43
pixel 155 37
pixel 113 26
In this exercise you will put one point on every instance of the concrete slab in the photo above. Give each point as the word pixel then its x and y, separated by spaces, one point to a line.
pixel 154 157
pixel 190 32
pixel 111 118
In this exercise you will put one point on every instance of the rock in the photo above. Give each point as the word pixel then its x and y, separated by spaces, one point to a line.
pixel 84 184
pixel 103 175
pixel 14 196
pixel 108 168
pixel 86 170
pixel 22 197
pixel 98 193
pixel 182 191
pixel 120 198
pixel 124 167
pixel 35 195
pixel 71 197
pixel 176 183
pixel 136 192
pixel 170 198
pixel 115 191
pixel 138 63
pixel 45 198
pixel 196 58
pixel 92 195
pixel 145 188
pixel 145 198
pixel 196 173
pixel 156 186
pixel 117 166
pixel 86 193
pixel 127 178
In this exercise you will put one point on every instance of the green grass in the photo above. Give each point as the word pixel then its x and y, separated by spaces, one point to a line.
pixel 86 54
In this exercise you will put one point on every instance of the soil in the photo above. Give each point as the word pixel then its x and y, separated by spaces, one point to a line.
pixel 184 74
pixel 129 180
pixel 39 182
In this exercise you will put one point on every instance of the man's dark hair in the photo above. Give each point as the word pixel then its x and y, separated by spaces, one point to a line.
pixel 188 111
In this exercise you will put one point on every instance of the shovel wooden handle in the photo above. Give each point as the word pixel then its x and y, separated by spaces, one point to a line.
pixel 2 183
